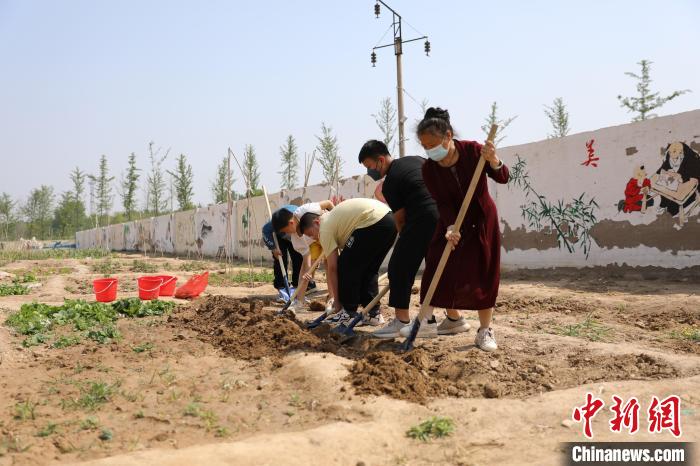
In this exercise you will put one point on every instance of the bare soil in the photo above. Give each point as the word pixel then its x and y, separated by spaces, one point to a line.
pixel 228 379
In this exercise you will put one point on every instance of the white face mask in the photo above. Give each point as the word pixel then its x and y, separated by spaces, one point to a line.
pixel 437 153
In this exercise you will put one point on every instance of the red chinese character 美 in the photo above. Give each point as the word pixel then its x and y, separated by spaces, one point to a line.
pixel 592 159
pixel 587 412
pixel 665 414
pixel 626 416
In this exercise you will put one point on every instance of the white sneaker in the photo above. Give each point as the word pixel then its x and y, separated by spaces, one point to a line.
pixel 371 321
pixel 391 330
pixel 485 339
pixel 452 327
pixel 329 305
pixel 428 329
pixel 341 317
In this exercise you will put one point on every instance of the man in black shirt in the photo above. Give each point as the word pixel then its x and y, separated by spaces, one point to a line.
pixel 416 216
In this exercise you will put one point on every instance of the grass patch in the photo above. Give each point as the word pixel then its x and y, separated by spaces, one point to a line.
pixel 435 427
pixel 10 443
pixel 240 278
pixel 106 267
pixel 93 395
pixel 687 333
pixel 194 266
pixel 89 423
pixel 143 267
pixel 590 329
pixel 13 289
pixel 43 254
pixel 65 341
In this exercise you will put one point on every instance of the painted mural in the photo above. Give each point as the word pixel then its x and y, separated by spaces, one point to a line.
pixel 625 195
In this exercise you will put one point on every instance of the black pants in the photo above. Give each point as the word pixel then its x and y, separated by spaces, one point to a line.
pixel 409 252
pixel 287 249
pixel 358 264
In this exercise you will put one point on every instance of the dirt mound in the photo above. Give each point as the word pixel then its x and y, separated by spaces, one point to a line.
pixel 541 304
pixel 398 376
pixel 249 329
pixel 245 329
pixel 317 306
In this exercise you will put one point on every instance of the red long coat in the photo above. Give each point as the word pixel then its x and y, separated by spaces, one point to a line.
pixel 472 274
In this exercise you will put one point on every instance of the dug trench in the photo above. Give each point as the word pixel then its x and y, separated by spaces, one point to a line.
pixel 251 328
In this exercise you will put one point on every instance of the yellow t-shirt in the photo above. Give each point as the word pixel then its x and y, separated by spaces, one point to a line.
pixel 338 224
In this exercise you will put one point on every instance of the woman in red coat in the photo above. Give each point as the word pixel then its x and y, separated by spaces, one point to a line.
pixel 471 277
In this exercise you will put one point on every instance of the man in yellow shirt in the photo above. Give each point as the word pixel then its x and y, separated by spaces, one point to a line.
pixel 356 237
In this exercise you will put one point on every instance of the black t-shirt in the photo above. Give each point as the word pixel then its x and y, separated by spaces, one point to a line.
pixel 404 189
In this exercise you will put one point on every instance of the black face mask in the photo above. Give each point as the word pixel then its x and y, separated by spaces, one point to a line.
pixel 375 174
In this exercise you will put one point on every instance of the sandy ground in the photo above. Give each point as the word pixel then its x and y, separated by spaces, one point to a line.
pixel 226 382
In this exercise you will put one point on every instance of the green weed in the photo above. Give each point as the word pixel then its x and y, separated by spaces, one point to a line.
pixel 590 329
pixel 687 333
pixel 90 423
pixel 106 267
pixel 239 278
pixel 48 430
pixel 65 341
pixel 143 347
pixel 25 410
pixel 106 435
pixel 143 267
pixel 435 427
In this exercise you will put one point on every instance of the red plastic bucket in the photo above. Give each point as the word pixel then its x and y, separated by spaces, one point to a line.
pixel 167 288
pixel 149 287
pixel 105 289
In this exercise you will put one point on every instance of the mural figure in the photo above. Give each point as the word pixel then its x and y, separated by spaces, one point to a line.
pixel 637 193
pixel 676 181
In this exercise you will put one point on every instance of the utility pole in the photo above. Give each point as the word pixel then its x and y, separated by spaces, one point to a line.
pixel 398 51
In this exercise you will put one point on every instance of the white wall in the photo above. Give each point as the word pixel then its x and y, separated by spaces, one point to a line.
pixel 555 170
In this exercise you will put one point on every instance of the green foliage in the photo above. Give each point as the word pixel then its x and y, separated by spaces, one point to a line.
pixel 493 119
pixel 558 117
pixel 142 348
pixel 193 266
pixel 129 186
pixel 251 172
pixel 45 254
pixel 220 185
pixel 183 178
pixel 25 410
pixel 48 430
pixel 238 278
pixel 155 181
pixel 28 277
pixel 104 333
pixel 386 121
pixel 646 101
pixel 64 341
pixel 7 214
pixel 589 329
pixel 571 222
pixel 106 267
pixel 94 320
pixel 38 211
pixel 143 267
pixel 435 427
pixel 103 184
pixel 106 435
pixel 290 164
pixel 94 394
pixel 13 290
pixel 687 333
pixel 134 307
pixel 329 158
pixel 90 423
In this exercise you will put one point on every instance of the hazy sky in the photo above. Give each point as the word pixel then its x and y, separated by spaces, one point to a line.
pixel 83 78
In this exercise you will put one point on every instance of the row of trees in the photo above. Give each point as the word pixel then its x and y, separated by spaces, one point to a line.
pixel 43 216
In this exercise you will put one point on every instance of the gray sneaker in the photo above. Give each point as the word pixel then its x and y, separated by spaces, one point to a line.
pixel 428 329
pixel 485 339
pixel 391 330
pixel 452 327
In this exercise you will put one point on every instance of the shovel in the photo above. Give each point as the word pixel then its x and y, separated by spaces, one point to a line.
pixel 347 331
pixel 425 308
pixel 296 291
pixel 317 321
